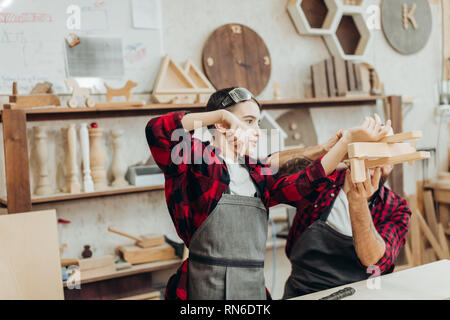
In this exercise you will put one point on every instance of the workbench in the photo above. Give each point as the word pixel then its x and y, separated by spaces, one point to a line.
pixel 426 282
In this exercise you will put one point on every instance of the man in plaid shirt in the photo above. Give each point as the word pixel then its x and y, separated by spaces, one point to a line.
pixel 348 234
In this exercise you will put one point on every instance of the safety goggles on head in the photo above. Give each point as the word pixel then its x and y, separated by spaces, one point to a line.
pixel 235 96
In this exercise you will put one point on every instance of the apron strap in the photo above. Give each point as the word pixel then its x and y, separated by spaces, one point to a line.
pixel 223 262
pixel 324 216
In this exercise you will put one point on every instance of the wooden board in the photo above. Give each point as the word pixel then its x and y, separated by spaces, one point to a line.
pixel 319 80
pixel 135 255
pixel 358 76
pixel 332 90
pixel 30 262
pixel 430 212
pixel 420 155
pixel 365 150
pixel 403 136
pixel 351 83
pixel 38 100
pixel 16 161
pixel 340 73
pixel 430 237
pixel 427 282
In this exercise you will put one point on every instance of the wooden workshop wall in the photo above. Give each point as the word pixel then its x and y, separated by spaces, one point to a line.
pixel 186 26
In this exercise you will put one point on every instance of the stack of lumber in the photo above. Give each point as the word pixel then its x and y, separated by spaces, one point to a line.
pixel 426 240
pixel 145 249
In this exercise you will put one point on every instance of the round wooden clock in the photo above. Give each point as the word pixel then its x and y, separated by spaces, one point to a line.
pixel 236 56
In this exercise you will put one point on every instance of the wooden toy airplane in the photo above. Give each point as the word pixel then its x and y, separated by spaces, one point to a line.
pixel 389 150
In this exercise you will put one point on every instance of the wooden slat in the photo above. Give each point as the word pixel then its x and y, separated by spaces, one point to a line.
pixel 340 74
pixel 395 111
pixel 16 161
pixel 351 83
pixel 430 213
pixel 319 80
pixel 430 237
pixel 443 240
pixel 332 91
pixel 358 76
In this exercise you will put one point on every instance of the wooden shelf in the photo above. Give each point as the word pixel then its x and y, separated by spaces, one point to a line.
pixel 160 265
pixel 136 269
pixel 108 192
pixel 62 113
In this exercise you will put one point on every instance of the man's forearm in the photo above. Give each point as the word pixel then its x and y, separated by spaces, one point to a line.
pixel 369 245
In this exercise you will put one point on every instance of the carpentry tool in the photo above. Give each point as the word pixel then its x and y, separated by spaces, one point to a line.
pixel 338 295
pixel 145 241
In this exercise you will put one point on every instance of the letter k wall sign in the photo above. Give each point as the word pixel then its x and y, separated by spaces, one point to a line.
pixel 406 24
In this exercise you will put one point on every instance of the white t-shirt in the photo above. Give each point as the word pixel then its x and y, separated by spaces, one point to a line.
pixel 339 217
pixel 240 181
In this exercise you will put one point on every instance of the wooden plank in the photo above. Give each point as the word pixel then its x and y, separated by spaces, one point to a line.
pixel 136 269
pixel 358 76
pixel 109 192
pixel 430 213
pixel 319 80
pixel 403 136
pixel 30 262
pixel 378 150
pixel 443 240
pixel 351 83
pixel 16 161
pixel 340 74
pixel 332 91
pixel 136 255
pixel 18 102
pixel 358 170
pixel 395 111
pixel 414 233
pixel 427 282
pixel 430 237
pixel 420 155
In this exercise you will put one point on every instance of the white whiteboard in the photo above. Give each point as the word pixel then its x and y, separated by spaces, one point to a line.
pixel 32 43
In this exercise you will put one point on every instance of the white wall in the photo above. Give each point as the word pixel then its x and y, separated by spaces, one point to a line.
pixel 187 25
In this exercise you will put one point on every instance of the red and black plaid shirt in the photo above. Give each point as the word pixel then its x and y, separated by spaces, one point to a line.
pixel 195 185
pixel 390 215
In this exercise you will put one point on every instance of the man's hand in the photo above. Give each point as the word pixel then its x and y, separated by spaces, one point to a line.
pixel 362 191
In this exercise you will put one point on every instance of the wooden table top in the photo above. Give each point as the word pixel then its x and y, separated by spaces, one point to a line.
pixel 426 282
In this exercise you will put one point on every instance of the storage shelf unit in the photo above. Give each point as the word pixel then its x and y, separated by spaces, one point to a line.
pixel 19 198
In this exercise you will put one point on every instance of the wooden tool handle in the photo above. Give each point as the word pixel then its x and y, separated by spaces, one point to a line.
pixel 124 234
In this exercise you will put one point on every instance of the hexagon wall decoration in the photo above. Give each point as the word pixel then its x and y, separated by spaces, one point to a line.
pixel 313 17
pixel 352 36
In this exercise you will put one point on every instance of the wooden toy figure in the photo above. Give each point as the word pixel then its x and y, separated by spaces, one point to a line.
pixel 79 93
pixel 124 91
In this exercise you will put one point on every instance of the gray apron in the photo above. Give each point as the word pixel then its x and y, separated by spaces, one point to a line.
pixel 322 258
pixel 226 253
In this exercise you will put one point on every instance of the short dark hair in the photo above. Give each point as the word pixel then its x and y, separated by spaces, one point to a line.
pixel 295 165
pixel 215 101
